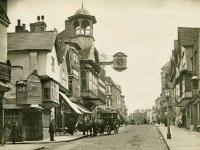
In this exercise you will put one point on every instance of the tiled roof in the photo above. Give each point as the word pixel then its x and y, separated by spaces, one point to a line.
pixel 187 36
pixel 3 17
pixel 89 54
pixel 31 40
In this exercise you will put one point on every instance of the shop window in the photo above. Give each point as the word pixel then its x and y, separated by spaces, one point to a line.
pixel 83 80
pixel 46 94
pixel 11 116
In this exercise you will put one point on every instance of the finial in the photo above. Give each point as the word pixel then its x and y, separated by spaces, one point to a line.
pixel 82 4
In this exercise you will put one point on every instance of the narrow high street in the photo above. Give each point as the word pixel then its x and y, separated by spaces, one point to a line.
pixel 132 137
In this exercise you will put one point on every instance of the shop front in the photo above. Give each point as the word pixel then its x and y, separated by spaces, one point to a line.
pixel 68 116
pixel 24 105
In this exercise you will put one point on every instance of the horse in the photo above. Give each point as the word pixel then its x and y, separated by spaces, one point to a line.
pixel 98 126
pixel 88 128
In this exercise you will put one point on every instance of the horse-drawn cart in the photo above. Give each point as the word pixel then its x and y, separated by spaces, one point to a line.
pixel 110 121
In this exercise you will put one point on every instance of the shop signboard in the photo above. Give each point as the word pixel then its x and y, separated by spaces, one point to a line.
pixel 21 93
pixel 5 72
pixel 34 90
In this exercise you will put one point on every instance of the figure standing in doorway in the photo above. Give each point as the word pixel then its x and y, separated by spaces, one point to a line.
pixel 14 132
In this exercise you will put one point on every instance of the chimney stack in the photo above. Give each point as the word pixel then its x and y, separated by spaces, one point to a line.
pixel 42 18
pixel 23 27
pixel 38 18
pixel 18 22
pixel 38 26
pixel 19 28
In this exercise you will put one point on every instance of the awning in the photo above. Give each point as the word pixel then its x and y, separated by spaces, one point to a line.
pixel 72 105
pixel 83 109
pixel 122 116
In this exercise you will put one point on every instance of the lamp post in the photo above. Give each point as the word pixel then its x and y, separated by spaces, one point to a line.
pixel 168 121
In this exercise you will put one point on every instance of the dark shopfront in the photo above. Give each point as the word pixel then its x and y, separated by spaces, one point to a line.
pixel 29 121
pixel 26 110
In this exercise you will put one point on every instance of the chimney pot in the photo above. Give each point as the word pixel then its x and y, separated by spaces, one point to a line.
pixel 18 22
pixel 42 17
pixel 38 18
pixel 24 27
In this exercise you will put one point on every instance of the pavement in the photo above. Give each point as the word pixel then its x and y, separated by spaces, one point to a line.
pixel 181 138
pixel 37 145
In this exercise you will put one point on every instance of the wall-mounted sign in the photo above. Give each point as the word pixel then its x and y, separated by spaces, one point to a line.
pixel 5 72
pixel 21 92
pixel 34 90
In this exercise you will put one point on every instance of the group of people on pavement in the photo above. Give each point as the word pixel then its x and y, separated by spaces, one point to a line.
pixel 12 132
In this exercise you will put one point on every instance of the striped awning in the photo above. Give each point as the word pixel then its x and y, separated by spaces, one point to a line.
pixel 71 104
pixel 83 109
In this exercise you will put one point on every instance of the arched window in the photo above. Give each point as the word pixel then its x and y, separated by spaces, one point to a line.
pixel 87 32
pixel 77 30
pixel 77 27
pixel 86 27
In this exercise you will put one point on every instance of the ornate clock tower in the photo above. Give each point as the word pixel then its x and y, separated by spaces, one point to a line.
pixel 79 28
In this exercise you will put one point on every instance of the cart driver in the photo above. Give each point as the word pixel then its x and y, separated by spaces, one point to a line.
pixel 111 120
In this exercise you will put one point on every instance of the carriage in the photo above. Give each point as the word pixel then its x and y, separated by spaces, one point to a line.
pixel 111 123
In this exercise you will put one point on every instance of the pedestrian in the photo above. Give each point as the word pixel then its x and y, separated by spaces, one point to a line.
pixel 51 130
pixel 165 121
pixel 14 132
pixel 7 131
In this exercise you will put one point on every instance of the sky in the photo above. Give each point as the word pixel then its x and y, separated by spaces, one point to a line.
pixel 144 30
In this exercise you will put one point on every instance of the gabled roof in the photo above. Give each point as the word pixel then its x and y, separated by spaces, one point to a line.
pixel 89 54
pixel 39 41
pixel 3 17
pixel 31 40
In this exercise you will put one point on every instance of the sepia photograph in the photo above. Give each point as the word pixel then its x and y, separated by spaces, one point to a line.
pixel 99 74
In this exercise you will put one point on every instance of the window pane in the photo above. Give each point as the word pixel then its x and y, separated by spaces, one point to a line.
pixel 83 84
pixel 83 74
pixel 46 94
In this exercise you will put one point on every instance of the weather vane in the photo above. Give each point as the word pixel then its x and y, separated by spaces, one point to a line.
pixel 82 4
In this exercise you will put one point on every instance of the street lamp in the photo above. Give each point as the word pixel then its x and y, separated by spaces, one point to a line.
pixel 168 121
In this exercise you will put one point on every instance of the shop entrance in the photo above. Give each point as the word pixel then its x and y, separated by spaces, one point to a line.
pixel 32 122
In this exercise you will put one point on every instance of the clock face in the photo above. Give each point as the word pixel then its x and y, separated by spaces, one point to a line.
pixel 120 62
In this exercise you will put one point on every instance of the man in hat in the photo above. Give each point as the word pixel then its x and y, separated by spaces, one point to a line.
pixel 51 130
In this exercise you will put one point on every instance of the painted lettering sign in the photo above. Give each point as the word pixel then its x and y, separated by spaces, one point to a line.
pixel 5 72
pixel 21 94
pixel 34 90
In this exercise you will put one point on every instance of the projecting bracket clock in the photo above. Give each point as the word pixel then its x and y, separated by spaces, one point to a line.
pixel 119 61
